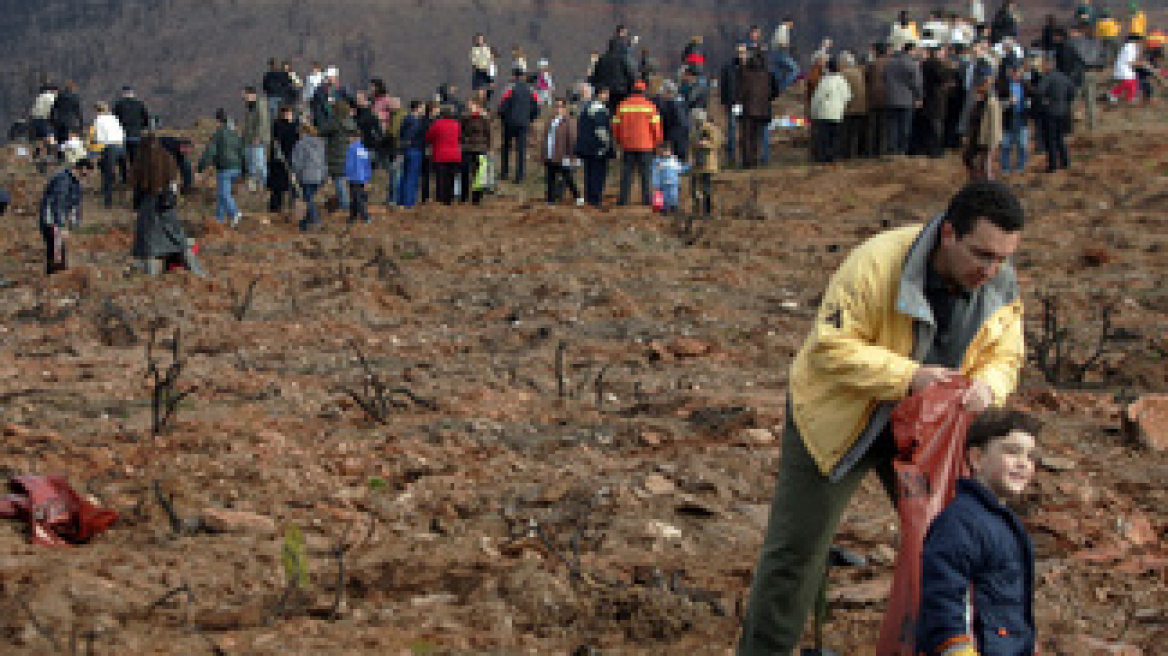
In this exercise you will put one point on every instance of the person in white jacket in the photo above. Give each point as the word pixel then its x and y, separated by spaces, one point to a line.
pixel 827 113
pixel 107 142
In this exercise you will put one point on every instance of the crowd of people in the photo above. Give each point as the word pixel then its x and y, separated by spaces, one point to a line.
pixel 957 82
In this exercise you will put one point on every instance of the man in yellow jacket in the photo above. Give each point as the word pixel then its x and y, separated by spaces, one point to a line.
pixel 907 308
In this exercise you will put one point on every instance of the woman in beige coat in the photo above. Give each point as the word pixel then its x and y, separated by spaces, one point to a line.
pixel 983 133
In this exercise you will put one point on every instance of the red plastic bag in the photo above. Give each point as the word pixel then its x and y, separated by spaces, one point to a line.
pixel 658 200
pixel 57 515
pixel 930 432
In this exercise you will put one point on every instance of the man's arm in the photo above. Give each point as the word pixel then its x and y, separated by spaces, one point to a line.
pixel 1003 354
pixel 844 338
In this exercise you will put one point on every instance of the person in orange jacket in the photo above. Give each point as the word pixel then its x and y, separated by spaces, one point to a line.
pixel 636 127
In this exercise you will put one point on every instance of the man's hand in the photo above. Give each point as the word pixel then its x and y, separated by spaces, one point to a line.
pixel 926 375
pixel 978 397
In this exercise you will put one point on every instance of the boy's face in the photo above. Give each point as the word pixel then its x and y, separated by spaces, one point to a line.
pixel 1006 464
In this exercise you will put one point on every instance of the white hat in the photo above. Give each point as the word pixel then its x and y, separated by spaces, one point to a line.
pixel 543 62
pixel 331 71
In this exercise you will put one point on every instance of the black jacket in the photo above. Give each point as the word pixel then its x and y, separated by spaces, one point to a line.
pixel 612 72
pixel 1054 94
pixel 133 116
pixel 66 112
pixel 519 106
pixel 370 126
pixel 594 132
pixel 728 82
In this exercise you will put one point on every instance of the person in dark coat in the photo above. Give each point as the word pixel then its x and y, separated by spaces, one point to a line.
pixel 518 108
pixel 336 132
pixel 158 234
pixel 276 86
pixel 977 565
pixel 613 72
pixel 939 78
pixel 180 149
pixel 755 90
pixel 66 115
pixel 1005 22
pixel 904 92
pixel 60 209
pixel 675 123
pixel 135 120
pixel 1053 96
pixel 285 134
pixel 594 144
pixel 728 94
pixel 877 100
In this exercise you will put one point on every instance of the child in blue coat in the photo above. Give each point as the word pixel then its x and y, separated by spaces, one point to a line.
pixel 667 172
pixel 358 171
pixel 977 568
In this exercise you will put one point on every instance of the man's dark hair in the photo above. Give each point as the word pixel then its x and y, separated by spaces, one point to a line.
pixel 221 115
pixel 249 89
pixel 990 200
pixel 996 423
pixel 415 105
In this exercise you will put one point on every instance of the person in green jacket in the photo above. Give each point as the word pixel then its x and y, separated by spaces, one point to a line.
pixel 337 131
pixel 907 308
pixel 225 152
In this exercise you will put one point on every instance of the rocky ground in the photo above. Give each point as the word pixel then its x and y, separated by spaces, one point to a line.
pixel 547 430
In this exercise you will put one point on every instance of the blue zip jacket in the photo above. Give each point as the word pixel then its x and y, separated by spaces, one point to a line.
pixel 977 547
pixel 358 164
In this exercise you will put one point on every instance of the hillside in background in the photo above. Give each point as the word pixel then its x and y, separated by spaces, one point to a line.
pixel 187 57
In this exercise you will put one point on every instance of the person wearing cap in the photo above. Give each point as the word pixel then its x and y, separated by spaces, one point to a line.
pixel 135 120
pixel 60 208
pixel 903 31
pixel 636 127
pixel 518 108
pixel 107 140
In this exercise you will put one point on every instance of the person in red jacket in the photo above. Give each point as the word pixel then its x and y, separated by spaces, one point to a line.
pixel 636 127
pixel 444 137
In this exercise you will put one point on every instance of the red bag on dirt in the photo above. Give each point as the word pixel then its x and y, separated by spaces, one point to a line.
pixel 658 200
pixel 57 515
pixel 929 428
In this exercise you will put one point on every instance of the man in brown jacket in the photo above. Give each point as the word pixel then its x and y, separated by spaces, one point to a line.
pixel 558 148
pixel 877 99
pixel 855 142
pixel 755 92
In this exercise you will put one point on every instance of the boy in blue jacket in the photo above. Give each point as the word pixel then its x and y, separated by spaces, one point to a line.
pixel 977 571
pixel 667 172
pixel 358 171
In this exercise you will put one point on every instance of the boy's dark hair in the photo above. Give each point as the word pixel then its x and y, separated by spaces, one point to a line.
pixel 249 89
pixel 996 423
pixel 987 199
pixel 221 115
pixel 415 105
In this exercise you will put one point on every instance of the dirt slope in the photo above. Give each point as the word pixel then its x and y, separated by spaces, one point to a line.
pixel 588 459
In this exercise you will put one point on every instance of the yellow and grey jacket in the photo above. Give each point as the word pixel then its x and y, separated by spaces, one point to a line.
pixel 873 329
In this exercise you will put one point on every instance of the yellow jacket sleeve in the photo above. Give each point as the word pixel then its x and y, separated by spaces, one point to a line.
pixel 1001 352
pixel 846 344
